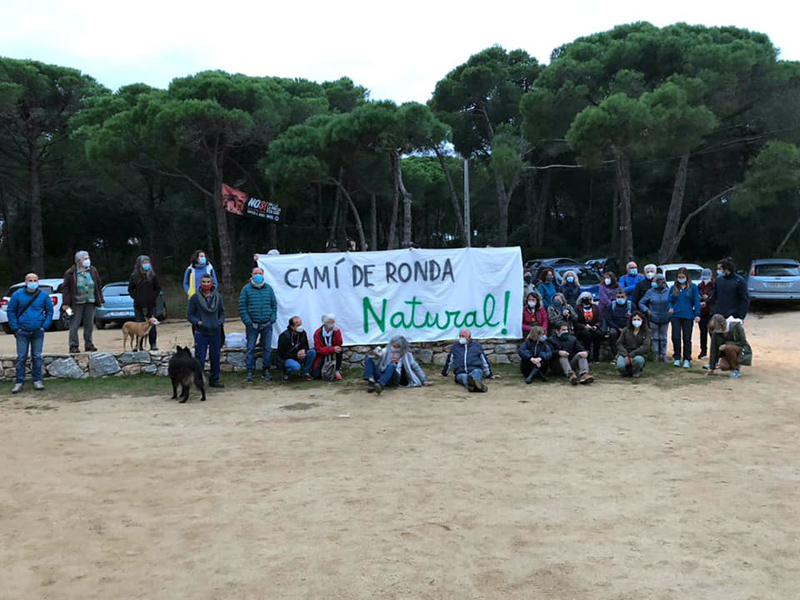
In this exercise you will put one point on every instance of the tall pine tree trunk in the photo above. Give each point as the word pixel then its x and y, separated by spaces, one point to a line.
pixel 668 246
pixel 392 234
pixel 455 201
pixel 225 249
pixel 502 210
pixel 37 237
pixel 408 224
pixel 788 236
pixel 362 239
pixel 373 225
pixel 623 168
pixel 541 210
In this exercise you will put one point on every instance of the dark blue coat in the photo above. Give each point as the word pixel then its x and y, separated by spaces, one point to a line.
pixel 535 349
pixel 464 358
pixel 730 297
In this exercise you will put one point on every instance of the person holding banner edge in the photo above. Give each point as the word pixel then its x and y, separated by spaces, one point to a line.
pixel 258 310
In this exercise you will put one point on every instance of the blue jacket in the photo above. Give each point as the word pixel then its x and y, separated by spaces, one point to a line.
pixel 629 282
pixel 210 312
pixel 38 316
pixel 258 305
pixel 206 269
pixel 655 305
pixel 535 349
pixel 617 316
pixel 547 291
pixel 686 304
pixel 730 297
pixel 464 358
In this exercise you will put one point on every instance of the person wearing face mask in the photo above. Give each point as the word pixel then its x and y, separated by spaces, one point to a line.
pixel 547 286
pixel 82 292
pixel 295 357
pixel 729 346
pixel 571 287
pixel 328 344
pixel 529 285
pixel 589 326
pixel 533 313
pixel 684 310
pixel 198 267
pixel 730 297
pixel 618 318
pixel 633 345
pixel 607 292
pixel 569 355
pixel 30 314
pixel 641 288
pixel 655 305
pixel 631 279
pixel 206 313
pixel 468 362
pixel 396 366
pixel 535 355
pixel 705 287
pixel 144 288
pixel 560 312
pixel 258 310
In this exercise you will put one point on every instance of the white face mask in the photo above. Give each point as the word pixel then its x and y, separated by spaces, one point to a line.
pixel 462 341
pixel 328 326
pixel 650 274
pixel 637 323
pixel 87 263
pixel 531 303
pixel 607 281
pixel 299 329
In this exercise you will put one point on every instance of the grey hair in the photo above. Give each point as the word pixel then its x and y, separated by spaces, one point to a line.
pixel 650 266
pixel 400 341
pixel 585 295
pixel 80 255
pixel 327 317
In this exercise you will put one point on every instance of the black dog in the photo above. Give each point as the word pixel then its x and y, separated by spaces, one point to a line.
pixel 184 369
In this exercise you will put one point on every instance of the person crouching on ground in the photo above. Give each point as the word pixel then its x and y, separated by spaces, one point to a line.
pixel 294 354
pixel 206 313
pixel 328 345
pixel 535 354
pixel 396 366
pixel 30 314
pixel 468 362
pixel 633 345
pixel 569 355
pixel 729 346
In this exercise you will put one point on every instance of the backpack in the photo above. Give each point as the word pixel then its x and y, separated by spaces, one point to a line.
pixel 328 368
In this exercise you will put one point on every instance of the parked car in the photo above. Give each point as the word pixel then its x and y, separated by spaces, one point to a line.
pixel 589 278
pixel 537 264
pixel 118 306
pixel 670 271
pixel 48 286
pixel 605 264
pixel 774 279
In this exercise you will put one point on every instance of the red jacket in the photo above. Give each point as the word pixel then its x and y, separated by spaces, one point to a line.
pixel 322 349
pixel 533 317
pixel 705 292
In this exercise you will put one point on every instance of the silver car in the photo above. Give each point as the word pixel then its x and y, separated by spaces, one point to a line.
pixel 774 279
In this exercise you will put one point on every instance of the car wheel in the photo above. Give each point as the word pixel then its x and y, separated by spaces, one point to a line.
pixel 62 323
pixel 100 324
pixel 7 328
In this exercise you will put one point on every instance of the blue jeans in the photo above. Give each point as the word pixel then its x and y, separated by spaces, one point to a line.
pixel 290 365
pixel 637 364
pixel 33 340
pixel 389 377
pixel 208 344
pixel 252 333
pixel 659 338
pixel 477 375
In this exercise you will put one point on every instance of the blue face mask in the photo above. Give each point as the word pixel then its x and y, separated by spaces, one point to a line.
pixel 634 272
pixel 549 278
pixel 557 303
pixel 543 338
pixel 621 301
pixel 258 278
pixel 720 273
pixel 201 261
pixel 146 266
pixel 570 279
pixel 654 285
pixel 32 286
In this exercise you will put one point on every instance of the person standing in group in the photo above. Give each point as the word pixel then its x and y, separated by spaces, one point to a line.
pixel 641 288
pixel 533 313
pixel 684 311
pixel 547 287
pixel 730 297
pixel 30 314
pixel 328 342
pixel 535 355
pixel 729 346
pixel 571 287
pixel 568 355
pixel 633 346
pixel 561 312
pixel 198 267
pixel 206 313
pixel 618 318
pixel 528 285
pixel 294 354
pixel 631 279
pixel 258 310
pixel 144 288
pixel 705 287
pixel 655 305
pixel 469 363
pixel 607 292
pixel 589 326
pixel 82 292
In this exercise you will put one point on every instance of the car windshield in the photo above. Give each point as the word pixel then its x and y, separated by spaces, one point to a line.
pixel 587 275
pixel 694 274
pixel 115 290
pixel 787 270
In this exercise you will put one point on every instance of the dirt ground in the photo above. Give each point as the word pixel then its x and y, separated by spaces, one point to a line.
pixel 624 490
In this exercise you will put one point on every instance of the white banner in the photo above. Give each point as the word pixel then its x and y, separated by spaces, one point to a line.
pixel 425 295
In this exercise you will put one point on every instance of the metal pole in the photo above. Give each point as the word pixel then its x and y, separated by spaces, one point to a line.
pixel 467 224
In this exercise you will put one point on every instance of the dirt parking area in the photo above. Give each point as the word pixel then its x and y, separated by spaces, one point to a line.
pixel 623 490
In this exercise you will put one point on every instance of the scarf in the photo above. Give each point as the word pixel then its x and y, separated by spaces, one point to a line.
pixel 327 336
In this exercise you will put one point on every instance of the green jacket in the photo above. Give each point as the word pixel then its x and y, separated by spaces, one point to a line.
pixel 634 344
pixel 734 335
pixel 258 305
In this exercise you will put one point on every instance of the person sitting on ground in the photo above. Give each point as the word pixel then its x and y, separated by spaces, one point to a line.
pixel 641 288
pixel 533 313
pixel 631 279
pixel 633 346
pixel 568 355
pixel 294 355
pixel 396 366
pixel 535 354
pixel 729 346
pixel 655 305
pixel 560 312
pixel 206 313
pixel 606 293
pixel 618 318
pixel 468 362
pixel 328 344
pixel 589 326
pixel 571 287
pixel 547 286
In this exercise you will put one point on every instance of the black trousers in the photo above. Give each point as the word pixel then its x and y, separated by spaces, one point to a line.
pixel 140 315
pixel 704 334
pixel 526 366
pixel 591 341
pixel 681 331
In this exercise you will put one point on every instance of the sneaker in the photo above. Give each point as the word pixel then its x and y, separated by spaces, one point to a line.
pixel 38 386
pixel 687 364
pixel 370 387
pixel 307 376
pixel 378 388
pixel 216 384
pixel 636 375
pixel 586 379
pixel 677 363
pixel 736 374
pixel 266 376
pixel 285 376
pixel 337 376
pixel 17 388
pixel 573 379
pixel 153 348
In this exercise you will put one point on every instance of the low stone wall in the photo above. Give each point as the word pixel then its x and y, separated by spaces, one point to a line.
pixel 104 364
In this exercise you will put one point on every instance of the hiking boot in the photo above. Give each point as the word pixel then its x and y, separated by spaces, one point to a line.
pixel 249 377
pixel 471 384
pixel 74 350
pixel 91 348
pixel 480 386
pixel 378 388
pixel 266 376
pixel 370 387
pixel 586 379
pixel 216 384
pixel 17 388
pixel 284 376
pixel 573 379
pixel 531 375
pixel 38 386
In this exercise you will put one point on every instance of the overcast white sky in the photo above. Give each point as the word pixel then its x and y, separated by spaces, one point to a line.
pixel 398 50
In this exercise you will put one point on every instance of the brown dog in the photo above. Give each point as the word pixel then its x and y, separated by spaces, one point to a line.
pixel 136 331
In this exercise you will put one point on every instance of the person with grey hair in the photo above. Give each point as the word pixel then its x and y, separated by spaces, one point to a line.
pixel 396 366
pixel 641 288
pixel 328 343
pixel 82 292
pixel 655 305
pixel 144 288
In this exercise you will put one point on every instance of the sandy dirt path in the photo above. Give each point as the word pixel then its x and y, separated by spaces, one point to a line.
pixel 617 491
